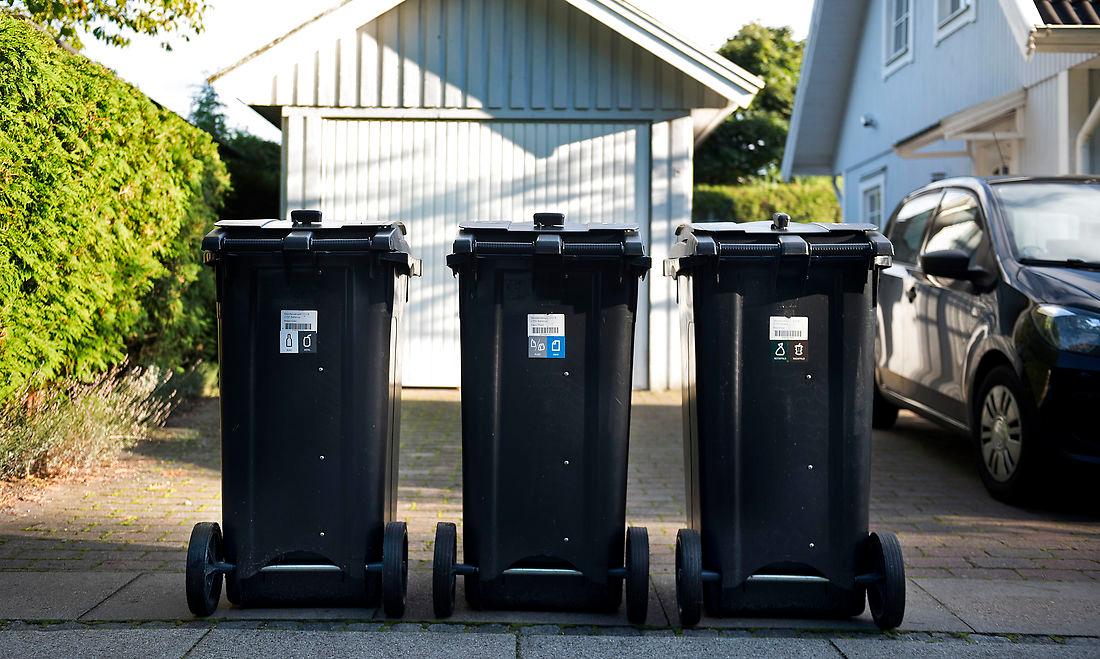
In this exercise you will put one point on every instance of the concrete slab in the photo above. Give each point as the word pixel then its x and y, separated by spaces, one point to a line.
pixel 875 648
pixel 161 596
pixel 1021 607
pixel 272 643
pixel 665 647
pixel 922 614
pixel 56 595
pixel 420 608
pixel 113 643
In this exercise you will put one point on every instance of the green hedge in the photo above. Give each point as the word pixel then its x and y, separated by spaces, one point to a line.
pixel 104 196
pixel 805 200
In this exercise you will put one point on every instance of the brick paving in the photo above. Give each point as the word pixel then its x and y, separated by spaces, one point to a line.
pixel 136 514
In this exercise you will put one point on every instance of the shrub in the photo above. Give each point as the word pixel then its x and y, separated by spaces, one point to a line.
pixel 61 429
pixel 104 196
pixel 805 200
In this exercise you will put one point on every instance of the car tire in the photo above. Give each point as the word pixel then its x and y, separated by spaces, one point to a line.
pixel 1003 432
pixel 884 414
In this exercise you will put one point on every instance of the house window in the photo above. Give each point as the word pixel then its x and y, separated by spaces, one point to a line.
pixel 897 35
pixel 871 197
pixel 952 15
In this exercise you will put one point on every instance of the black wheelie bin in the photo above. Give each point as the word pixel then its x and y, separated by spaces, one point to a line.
pixel 547 314
pixel 777 422
pixel 309 323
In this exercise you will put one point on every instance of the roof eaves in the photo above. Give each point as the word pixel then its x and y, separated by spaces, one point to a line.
pixel 711 70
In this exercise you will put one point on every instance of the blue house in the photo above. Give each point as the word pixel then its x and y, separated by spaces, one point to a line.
pixel 897 93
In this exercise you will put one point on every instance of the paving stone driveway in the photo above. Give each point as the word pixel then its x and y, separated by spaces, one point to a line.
pixel 137 516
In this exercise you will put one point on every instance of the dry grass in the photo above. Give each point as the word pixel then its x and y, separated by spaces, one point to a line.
pixel 68 429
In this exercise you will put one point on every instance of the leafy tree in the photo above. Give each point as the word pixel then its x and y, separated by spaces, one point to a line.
pixel 112 21
pixel 749 144
pixel 253 162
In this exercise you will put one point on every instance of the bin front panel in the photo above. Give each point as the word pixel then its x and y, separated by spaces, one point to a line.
pixel 309 436
pixel 778 445
pixel 545 431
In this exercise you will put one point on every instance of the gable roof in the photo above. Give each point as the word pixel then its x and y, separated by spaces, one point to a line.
pixel 716 73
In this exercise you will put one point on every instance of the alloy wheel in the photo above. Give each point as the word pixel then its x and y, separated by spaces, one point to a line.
pixel 1001 433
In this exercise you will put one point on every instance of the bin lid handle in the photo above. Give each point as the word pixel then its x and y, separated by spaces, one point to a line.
pixel 780 221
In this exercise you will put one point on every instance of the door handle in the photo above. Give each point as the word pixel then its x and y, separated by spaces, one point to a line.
pixel 911 293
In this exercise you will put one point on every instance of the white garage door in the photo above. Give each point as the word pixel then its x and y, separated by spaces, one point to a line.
pixel 434 174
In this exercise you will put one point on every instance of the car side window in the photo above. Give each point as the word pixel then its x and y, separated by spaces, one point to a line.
pixel 957 224
pixel 907 230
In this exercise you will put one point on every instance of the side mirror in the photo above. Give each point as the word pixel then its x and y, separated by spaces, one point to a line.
pixel 950 264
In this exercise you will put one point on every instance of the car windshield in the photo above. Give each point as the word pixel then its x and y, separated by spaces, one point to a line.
pixel 1056 222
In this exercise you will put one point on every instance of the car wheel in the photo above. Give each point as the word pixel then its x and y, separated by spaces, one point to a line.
pixel 1004 439
pixel 884 414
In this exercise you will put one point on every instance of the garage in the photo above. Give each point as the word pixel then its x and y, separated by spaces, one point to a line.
pixel 436 112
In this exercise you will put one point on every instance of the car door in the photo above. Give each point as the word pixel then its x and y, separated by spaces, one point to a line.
pixel 950 312
pixel 899 362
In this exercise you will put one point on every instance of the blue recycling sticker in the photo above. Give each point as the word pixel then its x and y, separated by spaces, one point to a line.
pixel 555 347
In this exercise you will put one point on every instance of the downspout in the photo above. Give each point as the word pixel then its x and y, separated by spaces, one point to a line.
pixel 1083 135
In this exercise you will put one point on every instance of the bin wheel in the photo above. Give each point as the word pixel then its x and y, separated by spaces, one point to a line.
pixel 886 595
pixel 204 581
pixel 637 574
pixel 443 569
pixel 395 569
pixel 689 577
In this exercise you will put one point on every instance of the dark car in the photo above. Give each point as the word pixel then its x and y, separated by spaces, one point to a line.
pixel 989 321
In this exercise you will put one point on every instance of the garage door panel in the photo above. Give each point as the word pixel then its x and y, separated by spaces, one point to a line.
pixel 434 174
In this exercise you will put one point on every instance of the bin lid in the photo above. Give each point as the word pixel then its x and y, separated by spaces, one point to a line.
pixel 777 239
pixel 307 231
pixel 548 235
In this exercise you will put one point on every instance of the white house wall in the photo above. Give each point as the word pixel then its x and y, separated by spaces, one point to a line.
pixel 494 54
pixel 978 62
pixel 1045 102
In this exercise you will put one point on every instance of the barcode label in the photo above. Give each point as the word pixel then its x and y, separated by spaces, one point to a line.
pixel 546 336
pixel 545 324
pixel 297 331
pixel 792 328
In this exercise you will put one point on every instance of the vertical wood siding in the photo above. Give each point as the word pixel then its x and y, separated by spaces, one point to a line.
pixel 434 174
pixel 494 54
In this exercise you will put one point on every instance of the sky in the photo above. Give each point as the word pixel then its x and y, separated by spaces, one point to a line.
pixel 235 28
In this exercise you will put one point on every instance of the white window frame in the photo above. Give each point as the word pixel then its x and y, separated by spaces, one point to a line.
pixel 893 60
pixel 951 23
pixel 867 184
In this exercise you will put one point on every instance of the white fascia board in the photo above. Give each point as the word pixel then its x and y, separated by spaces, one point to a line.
pixel 722 76
pixel 1022 17
pixel 787 168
